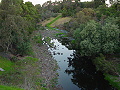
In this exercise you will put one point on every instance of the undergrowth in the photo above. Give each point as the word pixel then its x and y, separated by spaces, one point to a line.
pixel 113 80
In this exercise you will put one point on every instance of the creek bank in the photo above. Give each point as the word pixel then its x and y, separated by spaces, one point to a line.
pixel 48 64
pixel 37 72
pixel 110 66
pixel 49 26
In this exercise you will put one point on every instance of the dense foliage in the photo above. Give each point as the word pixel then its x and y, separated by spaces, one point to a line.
pixel 17 21
pixel 94 25
pixel 94 38
pixel 96 29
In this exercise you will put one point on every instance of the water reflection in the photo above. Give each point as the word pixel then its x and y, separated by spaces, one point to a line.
pixel 76 73
pixel 85 76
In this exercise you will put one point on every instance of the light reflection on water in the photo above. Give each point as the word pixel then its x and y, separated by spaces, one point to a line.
pixel 61 54
pixel 76 73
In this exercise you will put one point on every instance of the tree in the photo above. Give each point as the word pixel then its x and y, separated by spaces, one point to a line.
pixel 85 15
pixel 12 7
pixel 99 2
pixel 15 27
pixel 110 37
pixel 31 15
pixel 92 39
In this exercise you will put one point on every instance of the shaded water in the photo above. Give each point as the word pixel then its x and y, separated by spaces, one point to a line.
pixel 76 73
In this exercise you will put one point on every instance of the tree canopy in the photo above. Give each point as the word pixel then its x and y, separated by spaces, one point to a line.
pixel 17 21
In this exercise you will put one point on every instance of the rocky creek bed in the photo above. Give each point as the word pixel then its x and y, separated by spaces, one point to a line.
pixel 49 65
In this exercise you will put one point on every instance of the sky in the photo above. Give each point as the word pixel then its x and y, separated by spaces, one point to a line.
pixel 43 1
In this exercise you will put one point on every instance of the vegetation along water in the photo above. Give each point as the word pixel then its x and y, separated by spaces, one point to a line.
pixel 60 45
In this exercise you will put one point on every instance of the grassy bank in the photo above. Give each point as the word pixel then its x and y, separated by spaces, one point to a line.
pixel 110 66
pixel 23 74
pixel 6 65
pixel 113 80
pixel 61 21
pixel 49 24
pixel 2 87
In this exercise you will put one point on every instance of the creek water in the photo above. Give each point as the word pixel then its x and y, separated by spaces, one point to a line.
pixel 76 73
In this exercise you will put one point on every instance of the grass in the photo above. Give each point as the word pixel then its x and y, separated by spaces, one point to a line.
pixel 43 88
pixel 22 64
pixel 47 21
pixel 61 21
pixel 2 87
pixel 38 39
pixel 110 66
pixel 59 34
pixel 113 80
pixel 6 64
pixel 52 22
pixel 16 72
pixel 49 24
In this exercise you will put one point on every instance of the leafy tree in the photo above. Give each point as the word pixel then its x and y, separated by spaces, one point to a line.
pixel 13 33
pixel 91 39
pixel 81 17
pixel 12 7
pixel 112 11
pixel 16 22
pixel 31 15
pixel 110 39
pixel 99 2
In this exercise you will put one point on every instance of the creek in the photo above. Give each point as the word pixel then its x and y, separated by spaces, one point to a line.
pixel 75 72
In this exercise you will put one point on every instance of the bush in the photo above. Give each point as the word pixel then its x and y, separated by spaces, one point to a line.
pixel 104 65
pixel 93 38
pixel 38 39
pixel 24 48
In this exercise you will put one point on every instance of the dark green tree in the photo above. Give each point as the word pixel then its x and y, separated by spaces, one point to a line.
pixel 15 26
pixel 92 39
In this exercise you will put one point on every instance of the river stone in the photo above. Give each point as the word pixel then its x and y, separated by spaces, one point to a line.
pixel 2 69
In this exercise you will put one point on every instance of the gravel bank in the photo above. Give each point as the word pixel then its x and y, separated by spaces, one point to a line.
pixel 49 65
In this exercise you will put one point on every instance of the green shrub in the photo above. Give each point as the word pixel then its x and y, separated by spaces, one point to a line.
pixel 104 65
pixel 24 48
pixel 38 39
pixel 94 38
